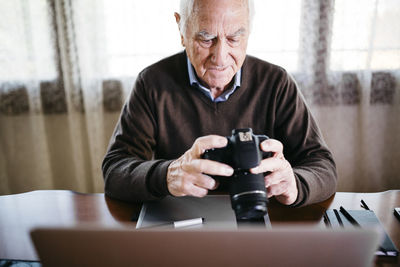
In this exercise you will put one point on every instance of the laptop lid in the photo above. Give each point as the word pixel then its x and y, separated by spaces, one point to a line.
pixel 279 246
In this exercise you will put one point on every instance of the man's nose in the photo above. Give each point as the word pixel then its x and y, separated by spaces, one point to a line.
pixel 219 53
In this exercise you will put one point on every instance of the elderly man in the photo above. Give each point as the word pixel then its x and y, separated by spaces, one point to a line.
pixel 186 104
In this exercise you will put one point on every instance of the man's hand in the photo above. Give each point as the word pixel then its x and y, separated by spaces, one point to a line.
pixel 187 175
pixel 280 182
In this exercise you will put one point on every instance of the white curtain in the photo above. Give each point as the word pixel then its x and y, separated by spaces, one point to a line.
pixel 66 67
pixel 351 59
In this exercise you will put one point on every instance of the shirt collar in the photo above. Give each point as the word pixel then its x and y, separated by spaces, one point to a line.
pixel 194 81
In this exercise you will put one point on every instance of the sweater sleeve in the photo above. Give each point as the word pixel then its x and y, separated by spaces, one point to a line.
pixel 129 170
pixel 304 147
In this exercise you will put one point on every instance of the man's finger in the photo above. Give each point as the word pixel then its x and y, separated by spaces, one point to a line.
pixel 268 165
pixel 277 189
pixel 275 178
pixel 207 142
pixel 211 167
pixel 283 193
pixel 196 191
pixel 272 145
pixel 204 181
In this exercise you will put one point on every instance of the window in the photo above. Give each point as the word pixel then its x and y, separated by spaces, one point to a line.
pixel 366 35
pixel 136 37
pixel 275 35
pixel 134 34
pixel 26 43
pixel 139 33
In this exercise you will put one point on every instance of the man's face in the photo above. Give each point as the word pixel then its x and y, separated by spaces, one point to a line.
pixel 216 40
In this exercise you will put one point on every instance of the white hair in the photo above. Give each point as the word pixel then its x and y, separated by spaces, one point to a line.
pixel 187 10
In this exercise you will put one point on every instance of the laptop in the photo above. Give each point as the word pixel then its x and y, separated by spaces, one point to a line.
pixel 279 246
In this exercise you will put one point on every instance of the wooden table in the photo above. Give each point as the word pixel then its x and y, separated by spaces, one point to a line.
pixel 21 212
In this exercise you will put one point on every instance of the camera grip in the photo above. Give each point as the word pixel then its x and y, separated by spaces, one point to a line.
pixel 218 154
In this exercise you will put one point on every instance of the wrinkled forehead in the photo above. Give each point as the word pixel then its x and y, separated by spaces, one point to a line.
pixel 212 15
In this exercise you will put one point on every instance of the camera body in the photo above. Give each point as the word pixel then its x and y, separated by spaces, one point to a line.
pixel 247 190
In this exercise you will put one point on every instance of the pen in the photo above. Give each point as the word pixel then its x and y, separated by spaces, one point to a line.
pixel 326 220
pixel 364 205
pixel 186 223
pixel 338 217
pixel 349 217
pixel 177 224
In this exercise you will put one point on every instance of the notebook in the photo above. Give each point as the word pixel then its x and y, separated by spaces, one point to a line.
pixel 279 246
pixel 366 219
pixel 216 211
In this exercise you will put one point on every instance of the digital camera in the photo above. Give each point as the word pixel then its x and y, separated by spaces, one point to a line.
pixel 247 190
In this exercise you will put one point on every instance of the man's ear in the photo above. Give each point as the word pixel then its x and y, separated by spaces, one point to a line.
pixel 178 19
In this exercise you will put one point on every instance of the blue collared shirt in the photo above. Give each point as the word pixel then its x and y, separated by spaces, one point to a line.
pixel 194 81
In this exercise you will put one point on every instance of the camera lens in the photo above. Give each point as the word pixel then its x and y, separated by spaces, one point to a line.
pixel 248 195
pixel 247 191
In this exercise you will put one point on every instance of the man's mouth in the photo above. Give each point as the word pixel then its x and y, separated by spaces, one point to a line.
pixel 218 68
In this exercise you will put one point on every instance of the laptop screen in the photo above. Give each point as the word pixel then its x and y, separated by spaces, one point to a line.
pixel 279 246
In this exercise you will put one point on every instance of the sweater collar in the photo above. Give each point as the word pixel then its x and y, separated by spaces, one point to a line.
pixel 195 82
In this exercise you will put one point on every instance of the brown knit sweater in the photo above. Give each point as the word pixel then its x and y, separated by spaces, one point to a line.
pixel 164 115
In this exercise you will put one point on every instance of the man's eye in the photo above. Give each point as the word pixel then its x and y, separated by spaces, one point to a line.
pixel 233 40
pixel 206 41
